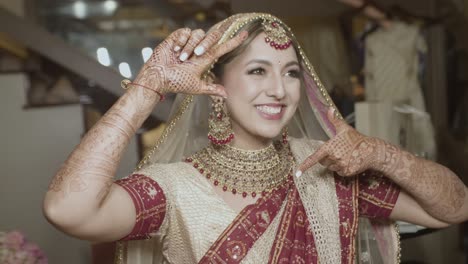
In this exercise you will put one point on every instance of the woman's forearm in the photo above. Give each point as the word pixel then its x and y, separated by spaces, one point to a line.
pixel 85 178
pixel 82 197
pixel 436 188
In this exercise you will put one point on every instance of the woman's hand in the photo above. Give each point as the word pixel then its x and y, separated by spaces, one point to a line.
pixel 177 64
pixel 348 153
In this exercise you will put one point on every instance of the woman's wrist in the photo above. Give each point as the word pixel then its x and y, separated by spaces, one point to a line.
pixel 387 157
pixel 153 78
pixel 127 84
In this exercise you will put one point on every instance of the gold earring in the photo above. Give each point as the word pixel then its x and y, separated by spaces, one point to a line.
pixel 285 135
pixel 220 130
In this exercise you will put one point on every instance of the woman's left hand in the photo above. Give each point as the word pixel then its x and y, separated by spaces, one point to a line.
pixel 347 153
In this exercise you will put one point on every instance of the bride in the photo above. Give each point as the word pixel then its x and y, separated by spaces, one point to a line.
pixel 268 172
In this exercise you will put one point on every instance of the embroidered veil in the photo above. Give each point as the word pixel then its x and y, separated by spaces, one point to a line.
pixel 187 132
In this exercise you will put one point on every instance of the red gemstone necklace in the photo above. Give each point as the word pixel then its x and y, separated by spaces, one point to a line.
pixel 246 172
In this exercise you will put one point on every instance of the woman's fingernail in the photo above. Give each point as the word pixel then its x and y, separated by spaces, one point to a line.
pixel 184 56
pixel 298 173
pixel 177 48
pixel 199 50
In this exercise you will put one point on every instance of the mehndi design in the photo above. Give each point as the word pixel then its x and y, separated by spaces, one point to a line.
pixel 92 165
pixel 432 185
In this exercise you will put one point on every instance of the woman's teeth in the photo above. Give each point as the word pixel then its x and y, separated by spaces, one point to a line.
pixel 269 109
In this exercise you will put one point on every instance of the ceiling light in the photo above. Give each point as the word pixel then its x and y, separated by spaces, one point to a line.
pixel 103 56
pixel 110 6
pixel 80 10
pixel 124 70
pixel 146 53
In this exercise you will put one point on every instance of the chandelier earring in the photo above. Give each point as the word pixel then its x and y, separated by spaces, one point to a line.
pixel 285 135
pixel 220 130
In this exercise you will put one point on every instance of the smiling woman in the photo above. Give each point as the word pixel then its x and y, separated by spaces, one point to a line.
pixel 263 88
pixel 219 188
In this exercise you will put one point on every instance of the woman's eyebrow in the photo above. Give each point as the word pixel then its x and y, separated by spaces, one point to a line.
pixel 266 62
pixel 291 63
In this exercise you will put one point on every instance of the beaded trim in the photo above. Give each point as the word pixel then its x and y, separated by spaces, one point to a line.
pixel 246 172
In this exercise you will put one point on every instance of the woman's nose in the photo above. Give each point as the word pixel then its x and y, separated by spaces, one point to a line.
pixel 276 88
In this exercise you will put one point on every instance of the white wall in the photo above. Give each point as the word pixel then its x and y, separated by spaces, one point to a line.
pixel 33 144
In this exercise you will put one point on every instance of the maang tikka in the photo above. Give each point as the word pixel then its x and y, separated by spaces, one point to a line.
pixel 220 130
pixel 276 36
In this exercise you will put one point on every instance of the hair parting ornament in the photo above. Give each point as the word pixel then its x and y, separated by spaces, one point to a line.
pixel 276 35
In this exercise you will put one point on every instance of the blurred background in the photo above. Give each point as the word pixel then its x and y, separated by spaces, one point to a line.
pixel 396 69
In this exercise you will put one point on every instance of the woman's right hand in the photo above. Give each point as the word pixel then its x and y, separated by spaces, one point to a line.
pixel 175 67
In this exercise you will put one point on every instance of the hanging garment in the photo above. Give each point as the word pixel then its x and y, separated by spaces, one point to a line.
pixel 391 76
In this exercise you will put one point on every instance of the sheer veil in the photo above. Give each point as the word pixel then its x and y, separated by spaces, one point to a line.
pixel 187 131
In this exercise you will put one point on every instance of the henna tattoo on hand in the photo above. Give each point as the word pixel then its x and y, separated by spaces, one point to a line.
pixel 88 172
pixel 348 153
pixel 92 165
pixel 437 189
pixel 167 73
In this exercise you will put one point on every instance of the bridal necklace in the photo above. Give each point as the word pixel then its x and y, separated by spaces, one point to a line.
pixel 246 172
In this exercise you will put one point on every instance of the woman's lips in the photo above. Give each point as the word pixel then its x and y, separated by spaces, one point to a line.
pixel 271 111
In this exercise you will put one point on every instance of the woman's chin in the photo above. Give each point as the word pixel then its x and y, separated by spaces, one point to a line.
pixel 268 134
pixel 259 131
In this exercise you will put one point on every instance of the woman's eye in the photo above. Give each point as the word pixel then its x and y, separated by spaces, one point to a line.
pixel 257 71
pixel 293 73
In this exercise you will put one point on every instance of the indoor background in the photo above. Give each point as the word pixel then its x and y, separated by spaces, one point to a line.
pixel 61 63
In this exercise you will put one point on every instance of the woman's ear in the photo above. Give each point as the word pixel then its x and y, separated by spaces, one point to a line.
pixel 211 78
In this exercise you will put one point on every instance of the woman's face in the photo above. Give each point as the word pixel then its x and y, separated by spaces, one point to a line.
pixel 263 87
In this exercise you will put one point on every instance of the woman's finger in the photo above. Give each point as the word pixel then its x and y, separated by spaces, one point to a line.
pixel 339 124
pixel 326 162
pixel 195 38
pixel 334 167
pixel 180 38
pixel 209 41
pixel 228 46
pixel 318 155
pixel 341 173
pixel 213 89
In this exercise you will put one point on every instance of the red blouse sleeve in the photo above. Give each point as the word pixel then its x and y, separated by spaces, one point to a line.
pixel 377 195
pixel 150 205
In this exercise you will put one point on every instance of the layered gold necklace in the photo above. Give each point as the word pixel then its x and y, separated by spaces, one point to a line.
pixel 246 172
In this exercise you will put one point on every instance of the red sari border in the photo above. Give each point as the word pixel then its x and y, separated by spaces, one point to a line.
pixel 294 241
pixel 239 237
pixel 150 205
pixel 347 190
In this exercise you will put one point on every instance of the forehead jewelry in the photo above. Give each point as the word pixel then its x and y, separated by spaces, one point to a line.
pixel 276 35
